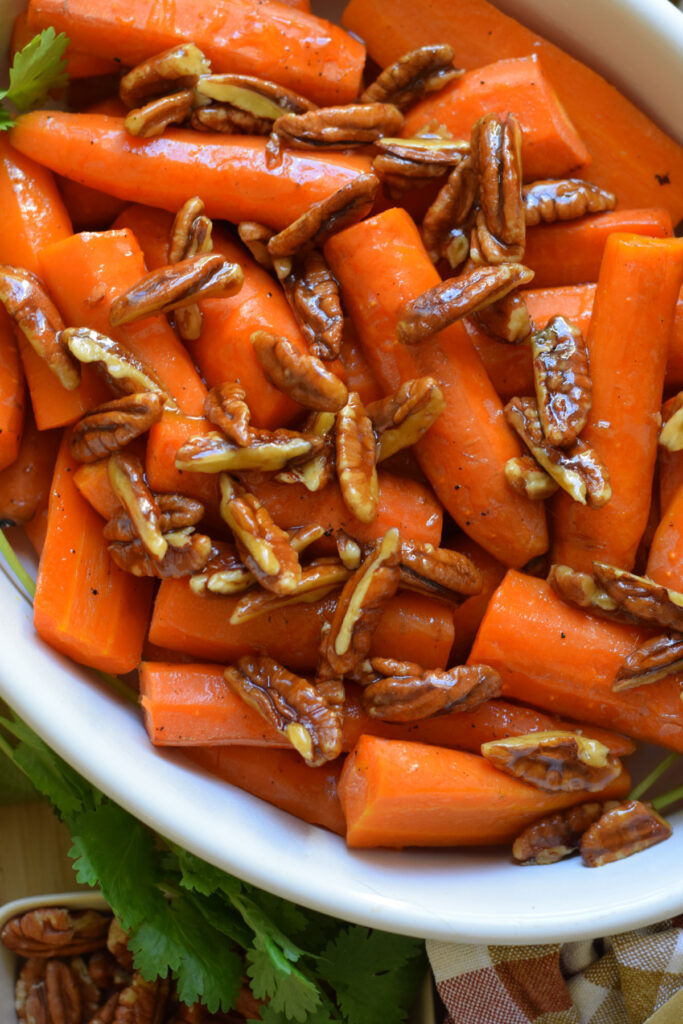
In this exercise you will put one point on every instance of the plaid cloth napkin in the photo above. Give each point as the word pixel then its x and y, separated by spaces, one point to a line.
pixel 623 979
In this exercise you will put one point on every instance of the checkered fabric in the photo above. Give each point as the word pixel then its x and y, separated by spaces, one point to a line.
pixel 622 979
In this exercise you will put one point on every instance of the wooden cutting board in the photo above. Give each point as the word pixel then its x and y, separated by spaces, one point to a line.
pixel 34 848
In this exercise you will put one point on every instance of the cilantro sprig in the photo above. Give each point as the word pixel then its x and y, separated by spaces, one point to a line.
pixel 36 70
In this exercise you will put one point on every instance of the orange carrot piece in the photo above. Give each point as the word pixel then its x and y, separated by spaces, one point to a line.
pixel 36 528
pixel 381 264
pixel 674 365
pixel 88 208
pixel 247 37
pixel 412 628
pixel 570 252
pixel 12 394
pixel 556 657
pixel 400 794
pixel 92 481
pixel 163 441
pixel 85 606
pixel 628 341
pixel 359 376
pixel 467 616
pixel 152 228
pixel 78 65
pixel 665 561
pixel 25 484
pixel 649 171
pixel 551 146
pixel 280 777
pixel 85 273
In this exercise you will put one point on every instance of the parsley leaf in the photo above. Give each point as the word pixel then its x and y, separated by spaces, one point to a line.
pixel 37 69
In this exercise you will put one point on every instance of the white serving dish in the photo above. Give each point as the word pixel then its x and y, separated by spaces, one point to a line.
pixel 453 894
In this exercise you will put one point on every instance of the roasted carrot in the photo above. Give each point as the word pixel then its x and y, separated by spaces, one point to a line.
pixel 86 607
pixel 381 264
pixel 571 252
pixel 665 560
pixel 88 208
pixel 270 40
pixel 558 658
pixel 151 228
pixel 468 615
pixel 635 303
pixel 400 794
pixel 551 147
pixel 649 170
pixel 85 273
pixel 412 628
pixel 78 65
pixel 281 778
pixel 674 364
pixel 25 484
pixel 12 392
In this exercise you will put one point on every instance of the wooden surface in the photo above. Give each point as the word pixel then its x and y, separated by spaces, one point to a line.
pixel 33 852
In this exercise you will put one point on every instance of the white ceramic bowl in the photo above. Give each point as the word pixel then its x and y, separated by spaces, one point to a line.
pixel 449 894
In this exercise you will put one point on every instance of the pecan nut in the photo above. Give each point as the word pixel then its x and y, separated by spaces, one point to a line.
pixel 176 512
pixel 564 389
pixel 256 237
pixel 357 460
pixel 301 376
pixel 117 945
pixel 438 572
pixel 113 425
pixel 507 320
pixel 426 149
pixel 186 554
pixel 292 704
pixel 318 580
pixel 170 71
pixel 315 473
pixel 55 931
pixel 402 695
pixel 190 236
pixel 412 76
pixel 555 761
pixel 646 601
pixel 563 199
pixel 526 477
pixel 153 119
pixel 556 836
pixel 443 224
pixel 357 124
pixel 581 589
pixel 400 420
pixel 457 297
pixel 626 829
pixel 141 1002
pixel 122 370
pixel 224 573
pixel 399 174
pixel 313 294
pixel 127 479
pixel 226 407
pixel 658 658
pixel 212 453
pixel 348 204
pixel 496 151
pixel 261 101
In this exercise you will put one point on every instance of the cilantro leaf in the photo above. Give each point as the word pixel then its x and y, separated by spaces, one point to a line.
pixel 278 980
pixel 37 69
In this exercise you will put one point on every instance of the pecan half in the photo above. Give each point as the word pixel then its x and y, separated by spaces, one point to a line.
pixel 427 150
pixel 578 470
pixel 399 420
pixel 31 975
pixel 581 589
pixel 443 226
pixel 186 554
pixel 260 100
pixel 160 291
pixel 231 120
pixel 626 829
pixel 176 512
pixel 348 549
pixel 291 704
pixel 117 945
pixel 646 601
pixel 401 695
pixel 224 572
pixel 496 152
pixel 174 69
pixel 399 174
pixel 356 124
pixel 127 479
pixel 122 370
pixel 563 199
pixel 357 460
pixel 142 1002
pixel 301 376
pixel 348 204
pixel 564 389
pixel 24 297
pixel 556 836
pixel 526 477
pixel 190 236
pixel 226 406
pixel 507 320
pixel 456 297
pixel 256 237
pixel 113 425
pixel 152 119
pixel 658 658
pixel 56 998
pixel 90 995
pixel 412 76
pixel 315 473
pixel 313 294
pixel 345 646
pixel 262 545
pixel 557 761
pixel 212 453
pixel 55 931
pixel 438 572
pixel 318 579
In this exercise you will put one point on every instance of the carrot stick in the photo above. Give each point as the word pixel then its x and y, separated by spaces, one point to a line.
pixel 381 264
pixel 270 40
pixel 281 778
pixel 85 607
pixel 25 484
pixel 571 252
pixel 649 171
pixel 12 392
pixel 564 661
pixel 78 65
pixel 88 208
pixel 193 705
pixel 674 365
pixel 665 561
pixel 400 794
pixel 628 340
pixel 163 441
pixel 412 628
pixel 36 528
pixel 85 273
pixel 551 147
pixel 468 615
pixel 151 228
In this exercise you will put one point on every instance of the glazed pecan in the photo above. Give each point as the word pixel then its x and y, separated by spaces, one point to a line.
pixel 160 291
pixel 563 199
pixel 142 1002
pixel 113 425
pixel 402 695
pixel 176 512
pixel 444 225
pixel 224 572
pixel 256 237
pixel 496 153
pixel 557 762
pixel 438 572
pixel 267 451
pixel 301 376
pixel 399 420
pixel 226 406
pixel 658 658
pixel 123 371
pixel 127 479
pixel 318 580
pixel 646 601
pixel 577 470
pixel 313 294
pixel 356 124
pixel 55 931
pixel 190 236
pixel 291 704
pixel 315 472
pixel 348 549
pixel 426 149
pixel 507 320
pixel 564 389
pixel 152 119
pixel 671 435
pixel 170 71
pixel 222 117
pixel 262 545
pixel 526 477
pixel 399 174
pixel 456 297
pixel 24 297
pixel 581 589
pixel 186 554
pixel 348 204
pixel 556 836
pixel 344 647
pixel 107 1012
pixel 626 829
pixel 250 103
pixel 412 76
pixel 357 460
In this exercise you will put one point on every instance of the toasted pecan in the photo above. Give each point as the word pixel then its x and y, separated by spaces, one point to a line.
pixel 226 407
pixel 555 761
pixel 313 294
pixel 563 199
pixel 186 554
pixel 356 124
pixel 267 451
pixel 556 836
pixel 111 426
pixel 656 659
pixel 317 471
pixel 357 460
pixel 643 599
pixel 527 478
pixel 250 102
pixel 507 320
pixel 52 931
pixel 412 76
pixel 496 152
pixel 170 71
pixel 152 119
pixel 301 376
pixel 127 479
pixel 318 579
pixel 176 512
pixel 348 204
pixel 400 419
pixel 626 829
pixel 401 694
pixel 564 389
pixel 443 224
pixel 438 572
pixel 123 371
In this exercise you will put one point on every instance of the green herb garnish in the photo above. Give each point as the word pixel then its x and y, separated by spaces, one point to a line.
pixel 37 69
